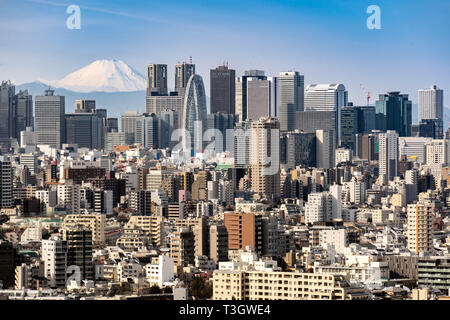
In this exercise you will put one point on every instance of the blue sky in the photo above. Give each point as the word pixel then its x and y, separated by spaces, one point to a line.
pixel 326 40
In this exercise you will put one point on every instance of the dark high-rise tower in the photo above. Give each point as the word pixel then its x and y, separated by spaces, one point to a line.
pixel 355 119
pixel 84 129
pixel 79 250
pixel 393 112
pixel 222 89
pixel 157 79
pixel 24 112
pixel 6 183
pixel 183 72
pixel 7 263
pixel 222 122
pixel 7 113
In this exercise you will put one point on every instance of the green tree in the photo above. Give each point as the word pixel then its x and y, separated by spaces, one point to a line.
pixel 167 290
pixel 200 288
pixel 155 289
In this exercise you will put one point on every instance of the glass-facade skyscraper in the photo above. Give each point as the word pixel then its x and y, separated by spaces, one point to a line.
pixel 355 119
pixel 291 86
pixel 393 111
pixel 84 129
pixel 7 108
pixel 194 113
pixel 327 97
pixel 24 112
pixel 298 149
pixel 310 121
pixel 222 122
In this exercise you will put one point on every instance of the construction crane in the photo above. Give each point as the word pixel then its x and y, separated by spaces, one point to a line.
pixel 366 92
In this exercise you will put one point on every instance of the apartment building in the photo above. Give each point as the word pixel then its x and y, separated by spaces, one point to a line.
pixel 271 285
pixel 160 270
pixel 132 238
pixel 244 229
pixel 182 247
pixel 434 273
pixel 152 226
pixel 79 250
pixel 372 272
pixel 420 228
pixel 54 255
pixel 94 222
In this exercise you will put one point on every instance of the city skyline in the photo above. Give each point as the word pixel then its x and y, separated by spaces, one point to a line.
pixel 296 37
pixel 258 150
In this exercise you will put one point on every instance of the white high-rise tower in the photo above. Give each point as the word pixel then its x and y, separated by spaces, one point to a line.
pixel 388 154
pixel 327 97
pixel 431 103
pixel 49 120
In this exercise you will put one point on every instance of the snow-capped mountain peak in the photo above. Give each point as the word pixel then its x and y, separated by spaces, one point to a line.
pixel 103 75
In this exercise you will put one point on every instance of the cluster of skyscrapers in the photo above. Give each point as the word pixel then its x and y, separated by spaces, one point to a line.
pixel 338 201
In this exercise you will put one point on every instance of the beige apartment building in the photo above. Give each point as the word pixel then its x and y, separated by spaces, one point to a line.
pixel 420 228
pixel 152 226
pixel 265 158
pixel 272 285
pixel 94 222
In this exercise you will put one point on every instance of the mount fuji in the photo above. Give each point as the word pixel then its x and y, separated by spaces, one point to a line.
pixel 102 76
pixel 113 84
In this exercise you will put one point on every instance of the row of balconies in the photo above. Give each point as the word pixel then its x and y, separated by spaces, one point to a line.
pixel 434 270
pixel 428 280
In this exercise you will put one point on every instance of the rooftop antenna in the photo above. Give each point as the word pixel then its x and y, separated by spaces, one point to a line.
pixel 190 59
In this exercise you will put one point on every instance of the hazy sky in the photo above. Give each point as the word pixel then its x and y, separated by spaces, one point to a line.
pixel 326 40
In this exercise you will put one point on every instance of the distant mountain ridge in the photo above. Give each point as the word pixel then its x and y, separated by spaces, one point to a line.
pixel 115 102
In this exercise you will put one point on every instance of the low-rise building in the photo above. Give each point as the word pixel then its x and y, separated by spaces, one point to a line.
pixel 272 285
